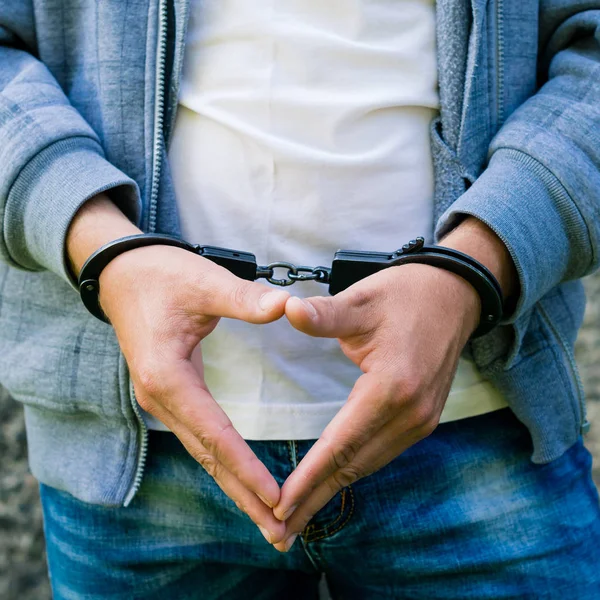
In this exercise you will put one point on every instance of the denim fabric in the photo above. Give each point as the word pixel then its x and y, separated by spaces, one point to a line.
pixel 88 96
pixel 463 514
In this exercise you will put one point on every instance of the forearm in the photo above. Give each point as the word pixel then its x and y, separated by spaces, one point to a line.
pixel 475 238
pixel 51 160
pixel 540 191
pixel 97 222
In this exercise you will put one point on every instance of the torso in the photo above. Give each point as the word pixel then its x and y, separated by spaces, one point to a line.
pixel 303 127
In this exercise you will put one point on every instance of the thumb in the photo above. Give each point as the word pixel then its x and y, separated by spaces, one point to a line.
pixel 321 316
pixel 225 295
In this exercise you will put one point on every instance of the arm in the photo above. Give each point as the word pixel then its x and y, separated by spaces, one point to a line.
pixel 60 200
pixel 51 160
pixel 533 217
pixel 162 302
pixel 405 327
pixel 541 190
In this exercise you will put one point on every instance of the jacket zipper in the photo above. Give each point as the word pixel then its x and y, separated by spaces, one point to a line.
pixel 584 424
pixel 157 160
pixel 159 117
pixel 499 64
pixel 143 451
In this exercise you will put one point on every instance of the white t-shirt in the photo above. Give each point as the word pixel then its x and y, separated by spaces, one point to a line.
pixel 303 128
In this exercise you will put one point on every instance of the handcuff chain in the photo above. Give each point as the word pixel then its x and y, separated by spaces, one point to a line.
pixel 294 273
pixel 319 274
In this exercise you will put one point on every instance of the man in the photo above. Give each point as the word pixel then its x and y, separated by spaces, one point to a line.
pixel 288 130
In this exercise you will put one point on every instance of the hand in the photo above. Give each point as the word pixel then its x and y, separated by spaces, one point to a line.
pixel 162 301
pixel 405 327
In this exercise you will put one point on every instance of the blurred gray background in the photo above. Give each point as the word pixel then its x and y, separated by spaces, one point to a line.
pixel 22 561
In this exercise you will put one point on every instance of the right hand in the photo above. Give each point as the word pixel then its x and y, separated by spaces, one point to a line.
pixel 162 301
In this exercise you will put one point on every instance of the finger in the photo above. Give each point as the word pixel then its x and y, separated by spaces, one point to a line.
pixel 391 441
pixel 222 294
pixel 246 500
pixel 182 397
pixel 249 503
pixel 363 415
pixel 344 315
pixel 303 515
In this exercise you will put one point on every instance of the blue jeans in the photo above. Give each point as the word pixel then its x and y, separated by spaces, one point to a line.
pixel 463 514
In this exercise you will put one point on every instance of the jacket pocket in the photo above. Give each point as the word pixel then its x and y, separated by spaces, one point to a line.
pixel 450 177
pixel 53 354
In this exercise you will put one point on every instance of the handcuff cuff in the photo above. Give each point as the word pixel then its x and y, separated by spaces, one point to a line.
pixel 348 267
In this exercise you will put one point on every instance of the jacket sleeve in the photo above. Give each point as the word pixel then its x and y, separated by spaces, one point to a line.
pixel 541 189
pixel 51 161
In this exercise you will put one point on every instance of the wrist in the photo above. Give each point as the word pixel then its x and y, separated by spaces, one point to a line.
pixel 439 294
pixel 97 223
pixel 460 298
pixel 122 271
pixel 475 238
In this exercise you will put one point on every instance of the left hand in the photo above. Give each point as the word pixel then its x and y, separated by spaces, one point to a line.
pixel 405 327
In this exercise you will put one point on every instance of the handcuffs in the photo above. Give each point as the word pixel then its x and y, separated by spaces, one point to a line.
pixel 348 267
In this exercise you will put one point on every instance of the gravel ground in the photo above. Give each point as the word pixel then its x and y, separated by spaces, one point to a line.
pixel 22 560
pixel 588 357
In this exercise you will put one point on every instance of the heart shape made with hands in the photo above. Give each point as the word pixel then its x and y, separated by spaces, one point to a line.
pixel 408 353
pixel 407 350
pixel 404 327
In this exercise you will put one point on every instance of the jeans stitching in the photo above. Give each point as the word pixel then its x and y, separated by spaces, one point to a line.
pixel 306 534
pixel 292 454
pixel 315 529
